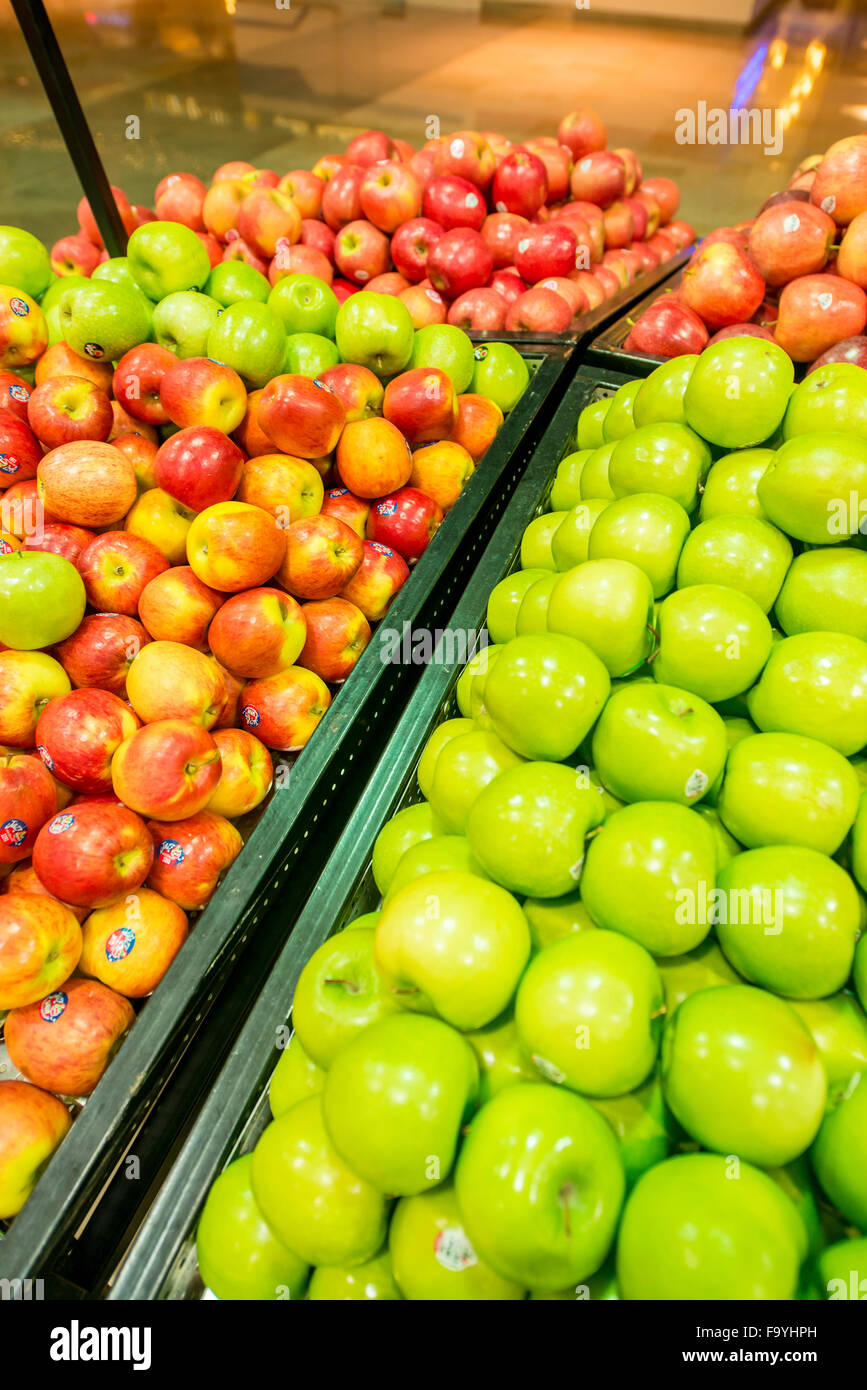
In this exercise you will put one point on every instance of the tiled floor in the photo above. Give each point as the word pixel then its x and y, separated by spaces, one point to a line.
pixel 212 80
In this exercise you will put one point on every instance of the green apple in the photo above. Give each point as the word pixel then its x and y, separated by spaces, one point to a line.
pixel 589 432
pixel 366 922
pixel 839 1155
pixel 239 1256
pixel 713 641
pixel 589 1012
pixel 618 422
pixel 536 541
pixel 533 612
pixel 505 600
pixel 731 488
pixel 609 605
pixel 796 1180
pixel 305 304
pixel 643 1124
pixel 51 298
pixel 249 337
pixel 42 599
pixel 566 490
pixel 540 1183
pixel 396 1099
pixel 738 392
pixel 742 1074
pixel 814 684
pixel 571 541
pixel 24 262
pixel 471 682
pixel 658 743
pixel 782 789
pixel 442 734
pixel 859 971
pixel 464 767
pixel 440 853
pixel 842 1269
pixel 700 1226
pixel 447 347
pixel 549 919
pixel 433 1257
pixel 375 330
pixel 102 320
pixel 649 873
pixel 311 1199
pixel 660 397
pixel 295 1077
pixel 787 919
pixel 527 828
pixel 833 396
pixel 499 372
pixel 815 487
pixel 453 944
pixel 183 321
pixel 118 270
pixel 410 825
pixel 825 590
pixel 544 694
pixel 649 530
pixel 354 1283
pixel 501 1055
pixel 839 1027
pixel 666 458
pixel 167 256
pixel 309 354
pixel 230 281
pixel 703 967
pixel 859 842
pixel 726 844
pixel 594 474
pixel 340 991
pixel 740 552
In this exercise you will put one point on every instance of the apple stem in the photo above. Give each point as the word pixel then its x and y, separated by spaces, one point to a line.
pixel 566 1192
pixel 591 833
pixel 405 991
pixel 659 1013
pixel 347 984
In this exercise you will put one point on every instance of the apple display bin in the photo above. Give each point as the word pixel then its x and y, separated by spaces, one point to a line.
pixel 92 1194
pixel 160 1263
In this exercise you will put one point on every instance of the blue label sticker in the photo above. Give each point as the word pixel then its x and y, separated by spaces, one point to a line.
pixel 170 853
pixel 19 393
pixel 386 508
pixel 19 307
pixel 13 832
pixel 251 716
pixel 53 1006
pixel 378 545
pixel 61 823
pixel 119 944
pixel 9 463
pixel 45 756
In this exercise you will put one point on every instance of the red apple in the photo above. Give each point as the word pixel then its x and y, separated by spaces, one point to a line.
pixel 667 328
pixel 372 147
pixel 343 504
pixel 460 261
pixel 840 185
pixel 373 458
pixel 267 216
pixel 791 239
pixel 301 416
pixel 342 289
pixel 337 634
pixel 100 651
pixel 326 167
pixel 664 245
pixel 199 391
pixel 199 466
pixel 358 388
pixel 115 567
pixel 520 184
pixel 582 132
pixel 19 451
pixel 379 577
pixel 176 606
pixel 479 311
pixel 390 282
pixel 667 195
pixel 246 773
pixel 59 539
pixel 847 350
pixel 300 260
pixel 411 246
pixel 817 311
pixel 508 285
pixel 587 282
pixel 322 555
pixel 239 250
pixel 28 797
pixel 406 521
pixel 852 256
pixel 539 311
pixel 32 1124
pixel 390 194
pixel 167 770
pixel 212 246
pixel 65 1041
pixel 557 160
pixel 742 330
pixel 284 710
pixel 341 201
pixel 454 202
pixel 361 252
pixel 569 290
pixel 74 255
pixel 422 165
pixel 467 154
pixel 598 178
pixel 317 235
pixel 257 633
pixel 633 168
pixel 137 379
pixel 619 225
pixel 305 190
pixel 425 304
pixel 67 408
pixel 93 855
pixel 191 856
pixel 14 394
pixel 77 735
pixel 478 424
pixel 683 234
pixel 545 250
pixel 422 404
pixel 502 231
pixel 87 221
pixel 722 285
pixel 182 201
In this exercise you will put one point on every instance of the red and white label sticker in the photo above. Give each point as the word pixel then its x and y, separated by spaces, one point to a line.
pixel 452 1249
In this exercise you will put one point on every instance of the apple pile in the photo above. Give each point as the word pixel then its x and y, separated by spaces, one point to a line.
pixel 194 543
pixel 795 275
pixel 472 229
pixel 606 1035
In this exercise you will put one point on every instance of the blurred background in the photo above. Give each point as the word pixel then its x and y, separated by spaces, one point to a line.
pixel 281 82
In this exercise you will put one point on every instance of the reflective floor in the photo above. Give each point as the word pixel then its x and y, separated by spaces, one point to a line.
pixel 211 80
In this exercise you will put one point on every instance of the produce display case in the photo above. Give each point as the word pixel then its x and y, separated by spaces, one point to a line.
pixel 184 1031
pixel 160 1262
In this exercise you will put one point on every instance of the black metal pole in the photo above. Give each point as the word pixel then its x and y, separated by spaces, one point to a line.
pixel 51 66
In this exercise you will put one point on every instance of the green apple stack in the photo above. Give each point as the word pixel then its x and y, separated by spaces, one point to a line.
pixel 606 1035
